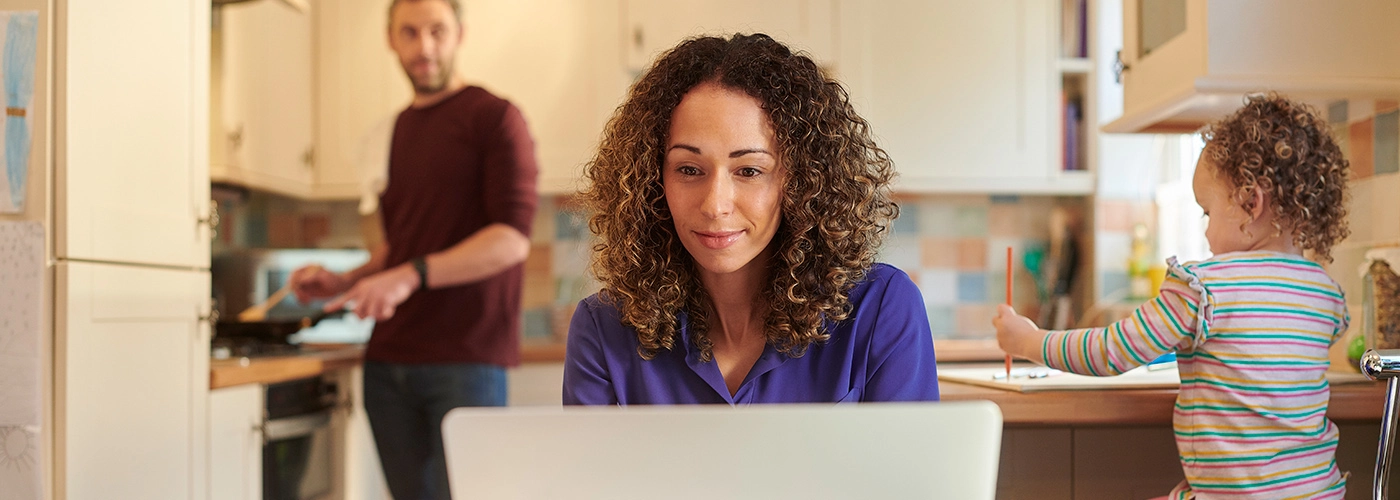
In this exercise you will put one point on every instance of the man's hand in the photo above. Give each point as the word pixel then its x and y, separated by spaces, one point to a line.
pixel 1017 334
pixel 379 294
pixel 314 282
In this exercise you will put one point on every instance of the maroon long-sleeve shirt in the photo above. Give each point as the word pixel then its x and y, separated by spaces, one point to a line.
pixel 455 167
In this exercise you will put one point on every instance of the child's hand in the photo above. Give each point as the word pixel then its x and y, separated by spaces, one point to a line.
pixel 1017 334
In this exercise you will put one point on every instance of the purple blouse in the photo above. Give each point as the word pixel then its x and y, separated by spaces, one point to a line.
pixel 882 352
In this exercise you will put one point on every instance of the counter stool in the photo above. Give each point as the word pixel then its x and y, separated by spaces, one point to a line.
pixel 1377 365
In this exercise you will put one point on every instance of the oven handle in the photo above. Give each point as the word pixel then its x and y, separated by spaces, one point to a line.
pixel 296 426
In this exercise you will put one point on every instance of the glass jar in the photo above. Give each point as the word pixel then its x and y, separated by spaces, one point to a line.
pixel 1381 298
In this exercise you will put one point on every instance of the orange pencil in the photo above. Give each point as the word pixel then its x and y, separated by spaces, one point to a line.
pixel 1008 302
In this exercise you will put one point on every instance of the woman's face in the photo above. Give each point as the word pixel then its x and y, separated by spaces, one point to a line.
pixel 723 179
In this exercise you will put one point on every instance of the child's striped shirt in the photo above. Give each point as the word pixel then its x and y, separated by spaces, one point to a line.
pixel 1251 332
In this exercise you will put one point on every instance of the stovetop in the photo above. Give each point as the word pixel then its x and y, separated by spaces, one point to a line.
pixel 242 347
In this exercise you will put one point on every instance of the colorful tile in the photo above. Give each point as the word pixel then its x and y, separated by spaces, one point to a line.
pixel 972 287
pixel 996 286
pixel 1361 151
pixel 1004 220
pixel 1386 224
pixel 975 321
pixel 571 257
pixel 938 252
pixel 1337 112
pixel 570 225
pixel 936 219
pixel 536 323
pixel 1385 105
pixel 1359 217
pixel 902 251
pixel 1387 142
pixel 908 221
pixel 1341 134
pixel 939 287
pixel 972 254
pixel 970 221
pixel 943 321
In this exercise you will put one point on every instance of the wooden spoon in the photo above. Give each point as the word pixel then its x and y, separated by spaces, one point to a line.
pixel 259 312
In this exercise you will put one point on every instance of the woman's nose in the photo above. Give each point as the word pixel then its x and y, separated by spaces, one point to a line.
pixel 719 198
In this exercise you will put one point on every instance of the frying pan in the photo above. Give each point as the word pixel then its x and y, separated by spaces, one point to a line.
pixel 271 330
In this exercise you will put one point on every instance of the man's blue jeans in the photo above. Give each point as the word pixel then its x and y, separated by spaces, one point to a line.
pixel 406 403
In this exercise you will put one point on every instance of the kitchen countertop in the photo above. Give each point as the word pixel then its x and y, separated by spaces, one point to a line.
pixel 320 358
pixel 314 360
pixel 1351 402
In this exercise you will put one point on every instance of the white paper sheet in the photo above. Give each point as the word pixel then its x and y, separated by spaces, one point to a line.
pixel 21 305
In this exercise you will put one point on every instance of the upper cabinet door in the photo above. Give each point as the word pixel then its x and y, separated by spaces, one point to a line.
pixel 654 26
pixel 1189 62
pixel 131 131
pixel 960 94
pixel 263 127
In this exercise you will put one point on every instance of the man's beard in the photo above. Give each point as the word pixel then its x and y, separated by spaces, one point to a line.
pixel 433 84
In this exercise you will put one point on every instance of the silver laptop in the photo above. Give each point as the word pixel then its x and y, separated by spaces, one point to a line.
pixel 890 450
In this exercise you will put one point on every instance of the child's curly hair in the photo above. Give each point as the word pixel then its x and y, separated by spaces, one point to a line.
pixel 1283 148
pixel 836 206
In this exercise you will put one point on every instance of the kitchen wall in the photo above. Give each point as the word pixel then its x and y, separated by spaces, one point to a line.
pixel 1370 139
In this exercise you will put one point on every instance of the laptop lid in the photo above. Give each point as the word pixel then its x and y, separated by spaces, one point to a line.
pixel 891 450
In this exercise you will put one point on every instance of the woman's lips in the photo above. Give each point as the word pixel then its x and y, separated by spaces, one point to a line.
pixel 718 240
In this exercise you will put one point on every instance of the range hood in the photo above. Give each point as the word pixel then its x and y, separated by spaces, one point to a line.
pixel 1186 63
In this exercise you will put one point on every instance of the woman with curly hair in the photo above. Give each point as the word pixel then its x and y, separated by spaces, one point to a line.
pixel 1251 325
pixel 738 202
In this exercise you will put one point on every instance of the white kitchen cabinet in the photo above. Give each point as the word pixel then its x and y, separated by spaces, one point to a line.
pixel 261 127
pixel 131 113
pixel 131 362
pixel 558 61
pixel 236 442
pixel 1189 62
pixel 964 96
pixel 654 26
pixel 359 84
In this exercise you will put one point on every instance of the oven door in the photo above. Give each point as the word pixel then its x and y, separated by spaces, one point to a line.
pixel 297 457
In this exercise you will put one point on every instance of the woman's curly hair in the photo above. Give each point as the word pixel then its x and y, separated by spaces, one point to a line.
pixel 836 205
pixel 1284 149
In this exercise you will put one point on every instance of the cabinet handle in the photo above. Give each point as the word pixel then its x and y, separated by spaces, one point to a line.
pixel 212 220
pixel 235 138
pixel 637 38
pixel 212 318
pixel 308 157
pixel 1119 67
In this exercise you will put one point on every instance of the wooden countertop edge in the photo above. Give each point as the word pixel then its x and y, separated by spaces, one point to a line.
pixel 1350 403
pixel 322 358
pixel 318 360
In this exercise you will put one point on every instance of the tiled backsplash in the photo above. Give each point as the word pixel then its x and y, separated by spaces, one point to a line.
pixel 953 247
pixel 1370 139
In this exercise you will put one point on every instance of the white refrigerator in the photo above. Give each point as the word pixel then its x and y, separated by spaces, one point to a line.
pixel 117 182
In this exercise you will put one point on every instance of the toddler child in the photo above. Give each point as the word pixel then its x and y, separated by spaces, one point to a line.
pixel 1250 326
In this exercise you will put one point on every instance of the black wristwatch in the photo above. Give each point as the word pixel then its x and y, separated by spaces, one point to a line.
pixel 421 265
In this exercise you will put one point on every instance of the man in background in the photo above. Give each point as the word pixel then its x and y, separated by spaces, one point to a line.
pixel 444 285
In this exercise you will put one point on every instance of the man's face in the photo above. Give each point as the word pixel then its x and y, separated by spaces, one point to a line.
pixel 425 34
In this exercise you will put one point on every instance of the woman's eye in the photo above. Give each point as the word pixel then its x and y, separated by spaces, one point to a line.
pixel 750 172
pixel 688 170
